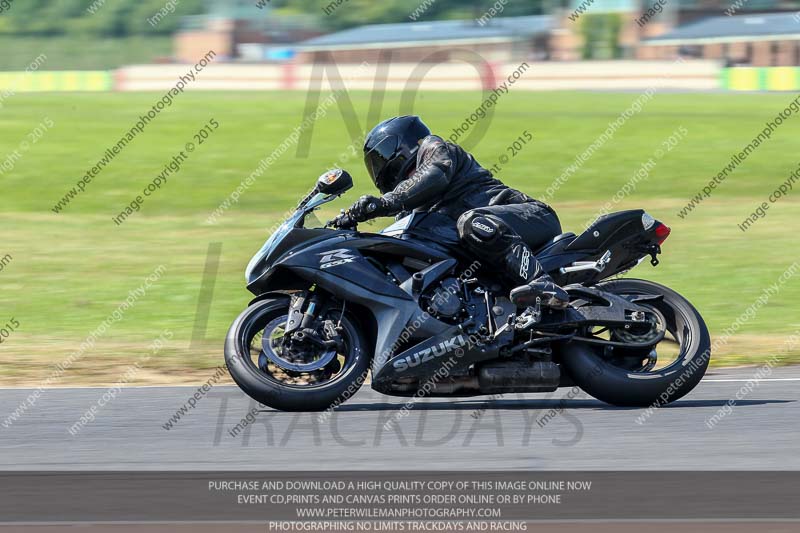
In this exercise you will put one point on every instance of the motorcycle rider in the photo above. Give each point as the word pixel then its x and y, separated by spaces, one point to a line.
pixel 415 170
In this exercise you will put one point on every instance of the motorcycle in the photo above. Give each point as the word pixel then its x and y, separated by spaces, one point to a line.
pixel 406 310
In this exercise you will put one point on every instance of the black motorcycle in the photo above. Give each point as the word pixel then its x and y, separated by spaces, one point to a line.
pixel 407 310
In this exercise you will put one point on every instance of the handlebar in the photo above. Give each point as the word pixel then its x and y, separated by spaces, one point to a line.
pixel 349 220
pixel 343 221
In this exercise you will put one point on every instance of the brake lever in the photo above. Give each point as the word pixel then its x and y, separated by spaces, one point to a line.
pixel 343 221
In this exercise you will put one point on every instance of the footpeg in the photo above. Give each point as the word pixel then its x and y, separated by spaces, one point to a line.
pixel 545 291
pixel 504 327
pixel 598 265
pixel 531 316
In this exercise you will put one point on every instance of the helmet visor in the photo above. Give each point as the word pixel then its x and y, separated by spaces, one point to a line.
pixel 379 157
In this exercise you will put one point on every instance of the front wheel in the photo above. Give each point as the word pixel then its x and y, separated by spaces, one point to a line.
pixel 640 377
pixel 296 372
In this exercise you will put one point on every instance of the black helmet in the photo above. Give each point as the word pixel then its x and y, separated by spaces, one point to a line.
pixel 391 148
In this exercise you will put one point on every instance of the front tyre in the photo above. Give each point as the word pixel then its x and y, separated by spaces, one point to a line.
pixel 326 379
pixel 637 377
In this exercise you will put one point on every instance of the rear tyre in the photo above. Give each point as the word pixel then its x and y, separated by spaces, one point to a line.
pixel 617 381
pixel 286 389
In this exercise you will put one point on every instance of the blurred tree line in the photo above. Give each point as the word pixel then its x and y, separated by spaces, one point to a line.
pixel 101 18
pixel 122 18
pixel 601 35
pixel 351 13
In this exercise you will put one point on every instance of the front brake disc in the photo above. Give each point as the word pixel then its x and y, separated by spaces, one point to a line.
pixel 274 350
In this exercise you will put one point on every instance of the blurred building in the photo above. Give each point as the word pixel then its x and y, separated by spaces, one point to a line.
pixel 751 32
pixel 736 32
pixel 753 39
pixel 498 39
pixel 235 30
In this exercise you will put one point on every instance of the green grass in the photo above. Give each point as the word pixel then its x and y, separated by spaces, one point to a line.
pixel 82 53
pixel 70 270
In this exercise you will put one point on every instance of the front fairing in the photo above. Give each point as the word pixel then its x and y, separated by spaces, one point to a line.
pixel 263 254
pixel 301 219
pixel 298 246
pixel 267 274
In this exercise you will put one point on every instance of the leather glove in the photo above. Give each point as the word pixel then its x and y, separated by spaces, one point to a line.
pixel 368 207
pixel 343 221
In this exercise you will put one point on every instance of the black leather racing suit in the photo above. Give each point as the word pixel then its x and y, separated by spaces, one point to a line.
pixel 496 223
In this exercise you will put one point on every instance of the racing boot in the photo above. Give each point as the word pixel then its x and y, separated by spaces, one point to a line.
pixel 543 287
pixel 523 265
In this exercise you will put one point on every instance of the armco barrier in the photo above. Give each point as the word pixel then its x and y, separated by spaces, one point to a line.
pixel 541 76
pixel 760 78
pixel 54 81
pixel 454 75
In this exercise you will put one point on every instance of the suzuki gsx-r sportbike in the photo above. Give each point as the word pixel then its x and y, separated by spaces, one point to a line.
pixel 407 311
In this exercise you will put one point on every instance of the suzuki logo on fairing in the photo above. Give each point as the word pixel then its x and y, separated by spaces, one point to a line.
pixel 429 353
pixel 334 258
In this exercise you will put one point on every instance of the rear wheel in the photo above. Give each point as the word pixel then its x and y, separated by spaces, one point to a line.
pixel 666 370
pixel 307 371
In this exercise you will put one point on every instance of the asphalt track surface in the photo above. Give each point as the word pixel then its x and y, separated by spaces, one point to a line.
pixel 513 432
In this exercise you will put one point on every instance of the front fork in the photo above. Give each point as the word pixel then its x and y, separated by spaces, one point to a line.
pixel 303 324
pixel 298 319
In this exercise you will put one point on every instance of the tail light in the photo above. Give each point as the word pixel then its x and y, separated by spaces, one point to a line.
pixel 662 232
